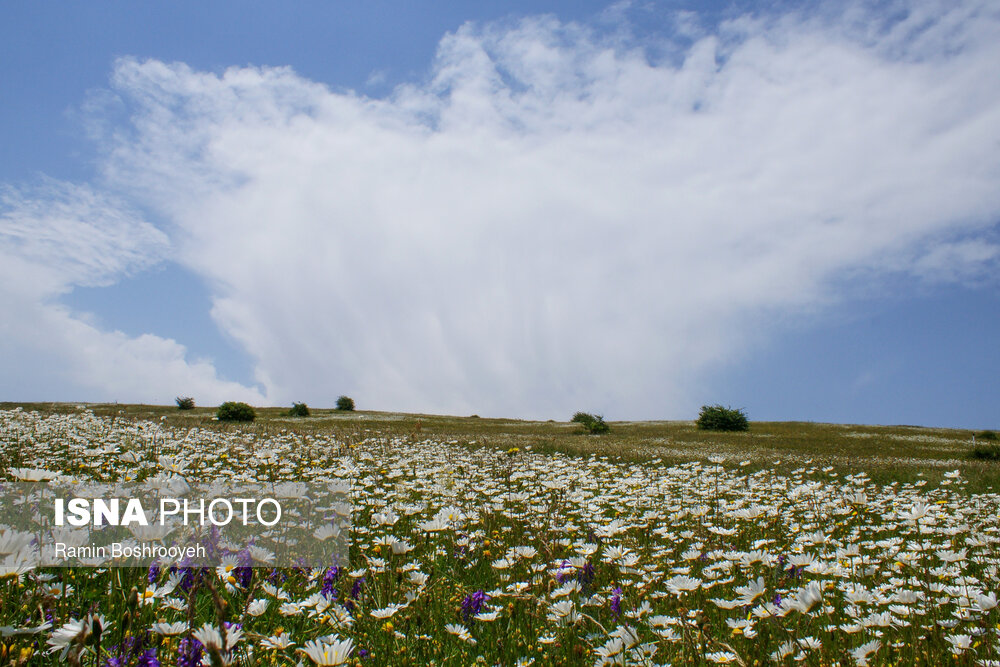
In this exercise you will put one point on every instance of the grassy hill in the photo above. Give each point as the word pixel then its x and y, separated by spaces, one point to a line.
pixel 886 453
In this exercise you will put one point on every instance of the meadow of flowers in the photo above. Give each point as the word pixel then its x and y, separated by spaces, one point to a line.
pixel 464 554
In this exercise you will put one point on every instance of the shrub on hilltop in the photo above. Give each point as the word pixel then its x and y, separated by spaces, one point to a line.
pixel 986 451
pixel 593 424
pixel 299 410
pixel 345 403
pixel 718 418
pixel 184 403
pixel 234 411
pixel 985 447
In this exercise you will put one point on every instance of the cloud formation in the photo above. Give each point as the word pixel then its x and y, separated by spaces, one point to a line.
pixel 554 219
pixel 60 236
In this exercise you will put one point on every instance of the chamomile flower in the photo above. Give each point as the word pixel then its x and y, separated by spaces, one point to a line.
pixel 328 653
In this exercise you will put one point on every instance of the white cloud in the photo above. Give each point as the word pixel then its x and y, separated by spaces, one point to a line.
pixel 73 235
pixel 957 261
pixel 56 237
pixel 552 222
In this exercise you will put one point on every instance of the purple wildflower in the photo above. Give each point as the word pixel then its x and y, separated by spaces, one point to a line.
pixel 355 593
pixel 243 573
pixel 329 579
pixel 189 653
pixel 148 659
pixel 189 577
pixel 473 604
pixel 616 602
pixel 132 651
pixel 586 575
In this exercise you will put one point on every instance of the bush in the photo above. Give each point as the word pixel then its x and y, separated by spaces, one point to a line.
pixel 985 446
pixel 345 403
pixel 185 403
pixel 986 451
pixel 232 411
pixel 299 410
pixel 594 424
pixel 718 418
pixel 597 426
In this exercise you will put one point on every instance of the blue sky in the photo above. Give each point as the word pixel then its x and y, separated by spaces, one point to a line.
pixel 510 209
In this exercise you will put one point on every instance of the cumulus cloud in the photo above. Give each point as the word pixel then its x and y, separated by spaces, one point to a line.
pixel 555 219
